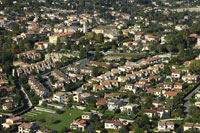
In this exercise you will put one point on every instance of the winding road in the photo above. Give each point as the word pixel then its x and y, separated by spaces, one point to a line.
pixel 186 100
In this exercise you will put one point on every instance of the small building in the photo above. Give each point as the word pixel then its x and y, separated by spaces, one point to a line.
pixel 114 104
pixel 112 124
pixel 78 125
pixel 175 74
pixel 165 126
pixel 60 97
pixel 86 115
pixel 12 121
pixel 129 107
pixel 27 128
pixel 188 126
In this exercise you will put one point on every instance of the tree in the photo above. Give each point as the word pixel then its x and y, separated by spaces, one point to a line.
pixel 132 98
pixel 97 55
pixel 151 47
pixel 91 100
pixel 91 129
pixel 149 101
pixel 95 71
pixel 180 47
pixel 90 36
pixel 123 129
pixel 139 130
pixel 83 53
pixel 99 38
pixel 23 80
pixel 160 48
pixel 195 66
pixel 170 48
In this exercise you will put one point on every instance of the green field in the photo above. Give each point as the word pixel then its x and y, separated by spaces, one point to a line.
pixel 35 115
pixel 59 121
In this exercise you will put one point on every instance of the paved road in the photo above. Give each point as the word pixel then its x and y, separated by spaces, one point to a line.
pixel 186 101
pixel 26 100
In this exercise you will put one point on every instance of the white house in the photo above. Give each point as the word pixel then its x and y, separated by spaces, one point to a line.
pixel 165 126
pixel 129 107
pixel 112 124
pixel 59 96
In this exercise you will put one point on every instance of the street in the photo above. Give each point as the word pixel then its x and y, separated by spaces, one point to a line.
pixel 186 101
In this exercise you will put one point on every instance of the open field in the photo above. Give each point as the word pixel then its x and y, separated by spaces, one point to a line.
pixel 35 115
pixel 59 121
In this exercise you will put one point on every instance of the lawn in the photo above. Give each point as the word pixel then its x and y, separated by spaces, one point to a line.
pixel 35 115
pixel 59 121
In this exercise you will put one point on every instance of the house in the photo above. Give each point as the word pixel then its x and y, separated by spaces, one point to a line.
pixel 123 78
pixel 81 97
pixel 97 88
pixel 114 104
pixel 127 44
pixel 3 76
pixel 112 95
pixel 152 113
pixel 87 71
pixel 129 87
pixel 6 99
pixel 27 128
pixel 170 94
pixel 12 121
pixel 158 104
pixel 156 92
pixel 143 84
pixel 166 86
pixel 108 84
pixel 176 74
pixel 7 106
pixel 191 126
pixel 112 124
pixel 188 126
pixel 86 115
pixel 139 36
pixel 99 64
pixel 190 78
pixel 3 82
pixel 178 87
pixel 45 130
pixel 101 102
pixel 41 45
pixel 37 87
pixel 156 78
pixel 58 75
pixel 78 125
pixel 129 107
pixel 165 126
pixel 196 127
pixel 73 68
pixel 54 38
pixel 30 55
pixel 60 97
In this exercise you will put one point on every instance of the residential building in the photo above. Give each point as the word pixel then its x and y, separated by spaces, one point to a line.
pixel 165 126
pixel 86 115
pixel 60 97
pixel 27 128
pixel 112 124
pixel 78 125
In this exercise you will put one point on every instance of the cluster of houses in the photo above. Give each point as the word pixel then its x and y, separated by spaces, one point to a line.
pixel 37 87
pixel 6 89
pixel 63 79
pixel 38 67
pixel 30 55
